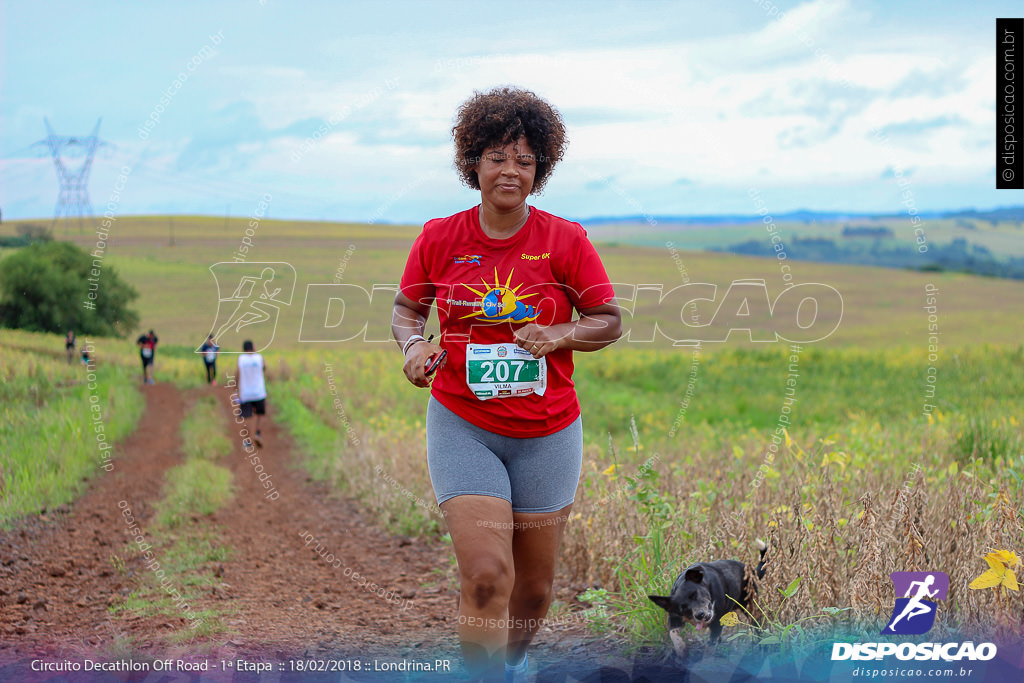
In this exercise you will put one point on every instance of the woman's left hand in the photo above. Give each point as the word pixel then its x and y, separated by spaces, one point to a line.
pixel 540 340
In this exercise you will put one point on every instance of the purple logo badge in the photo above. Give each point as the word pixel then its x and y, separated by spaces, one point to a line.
pixel 916 593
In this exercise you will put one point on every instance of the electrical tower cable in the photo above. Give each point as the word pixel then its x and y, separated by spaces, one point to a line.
pixel 73 199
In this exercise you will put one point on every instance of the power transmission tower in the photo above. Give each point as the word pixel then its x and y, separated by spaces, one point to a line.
pixel 73 199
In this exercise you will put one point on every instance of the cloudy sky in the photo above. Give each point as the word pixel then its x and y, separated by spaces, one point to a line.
pixel 343 111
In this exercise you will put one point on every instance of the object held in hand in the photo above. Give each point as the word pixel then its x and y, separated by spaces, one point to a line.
pixel 435 362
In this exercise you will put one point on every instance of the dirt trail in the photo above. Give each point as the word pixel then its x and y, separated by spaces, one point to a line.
pixel 57 579
pixel 279 596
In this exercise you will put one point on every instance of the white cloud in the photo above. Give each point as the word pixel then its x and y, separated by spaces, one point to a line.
pixel 789 103
pixel 797 96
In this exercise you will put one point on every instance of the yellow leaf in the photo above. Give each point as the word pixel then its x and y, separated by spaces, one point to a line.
pixel 1007 557
pixel 1010 580
pixel 729 619
pixel 953 467
pixel 610 471
pixel 987 580
pixel 995 563
pixel 931 420
pixel 789 441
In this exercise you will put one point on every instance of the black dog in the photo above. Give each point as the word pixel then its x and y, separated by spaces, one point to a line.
pixel 707 591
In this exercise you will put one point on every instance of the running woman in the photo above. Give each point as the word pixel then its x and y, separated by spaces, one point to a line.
pixel 504 434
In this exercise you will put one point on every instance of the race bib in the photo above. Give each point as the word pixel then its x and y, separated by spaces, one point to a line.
pixel 147 352
pixel 504 370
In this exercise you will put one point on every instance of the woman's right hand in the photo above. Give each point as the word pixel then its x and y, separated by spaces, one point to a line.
pixel 416 362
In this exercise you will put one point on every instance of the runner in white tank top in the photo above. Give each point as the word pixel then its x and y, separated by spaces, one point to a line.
pixel 252 390
pixel 251 386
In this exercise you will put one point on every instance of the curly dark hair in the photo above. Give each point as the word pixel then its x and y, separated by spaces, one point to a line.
pixel 503 115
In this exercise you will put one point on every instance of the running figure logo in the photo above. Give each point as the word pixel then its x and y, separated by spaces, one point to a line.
pixel 914 613
pixel 251 310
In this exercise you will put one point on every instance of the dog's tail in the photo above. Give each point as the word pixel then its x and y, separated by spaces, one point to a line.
pixel 763 548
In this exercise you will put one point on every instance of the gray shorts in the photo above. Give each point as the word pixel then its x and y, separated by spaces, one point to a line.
pixel 534 474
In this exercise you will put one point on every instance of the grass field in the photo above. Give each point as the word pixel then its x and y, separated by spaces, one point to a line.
pixel 842 453
pixel 1004 238
pixel 668 481
pixel 60 421
pixel 179 295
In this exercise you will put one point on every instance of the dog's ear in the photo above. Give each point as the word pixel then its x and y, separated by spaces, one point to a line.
pixel 662 601
pixel 695 574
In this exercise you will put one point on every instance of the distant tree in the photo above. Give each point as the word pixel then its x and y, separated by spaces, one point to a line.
pixel 45 288
pixel 866 231
pixel 28 233
pixel 33 232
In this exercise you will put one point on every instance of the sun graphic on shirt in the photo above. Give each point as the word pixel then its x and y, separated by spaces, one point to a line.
pixel 500 301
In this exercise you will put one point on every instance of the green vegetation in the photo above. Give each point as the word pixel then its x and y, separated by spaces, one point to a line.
pixel 686 454
pixel 198 487
pixel 190 561
pixel 178 295
pixel 187 552
pixel 202 431
pixel 958 255
pixel 178 364
pixel 865 449
pixel 359 441
pixel 61 422
pixel 57 430
pixel 1001 235
pixel 989 438
pixel 27 233
pixel 55 287
pixel 739 390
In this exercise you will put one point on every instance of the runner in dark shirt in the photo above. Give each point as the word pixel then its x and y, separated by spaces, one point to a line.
pixel 69 345
pixel 209 350
pixel 147 350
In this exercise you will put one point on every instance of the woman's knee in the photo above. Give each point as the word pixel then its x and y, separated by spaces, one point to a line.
pixel 534 592
pixel 486 579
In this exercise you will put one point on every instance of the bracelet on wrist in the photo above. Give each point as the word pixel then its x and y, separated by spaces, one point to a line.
pixel 411 341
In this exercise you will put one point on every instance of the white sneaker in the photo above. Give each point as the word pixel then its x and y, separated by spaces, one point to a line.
pixel 517 673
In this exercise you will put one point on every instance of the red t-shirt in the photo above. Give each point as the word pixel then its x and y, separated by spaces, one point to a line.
pixel 539 275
